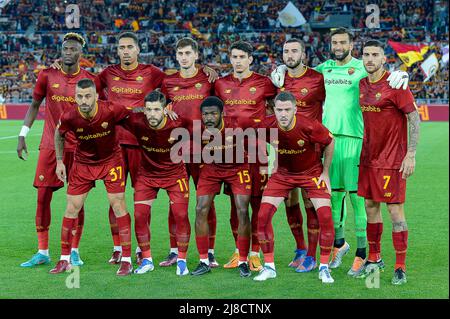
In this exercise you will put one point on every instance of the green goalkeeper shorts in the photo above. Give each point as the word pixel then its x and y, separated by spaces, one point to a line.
pixel 344 166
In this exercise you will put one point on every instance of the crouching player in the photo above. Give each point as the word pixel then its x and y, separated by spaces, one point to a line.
pixel 298 164
pixel 97 157
pixel 213 174
pixel 153 129
pixel 387 159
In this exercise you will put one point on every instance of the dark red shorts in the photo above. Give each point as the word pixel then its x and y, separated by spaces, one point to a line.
pixel 147 187
pixel 83 177
pixel 259 178
pixel 279 185
pixel 193 170
pixel 46 167
pixel 132 161
pixel 381 185
pixel 212 177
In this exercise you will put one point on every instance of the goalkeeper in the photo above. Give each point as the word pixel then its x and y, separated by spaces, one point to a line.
pixel 342 116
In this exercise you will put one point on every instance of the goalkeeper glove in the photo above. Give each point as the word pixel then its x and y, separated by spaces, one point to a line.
pixel 277 75
pixel 397 79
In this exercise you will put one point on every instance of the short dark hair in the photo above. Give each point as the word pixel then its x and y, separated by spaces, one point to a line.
pixel 373 43
pixel 243 46
pixel 85 83
pixel 129 34
pixel 285 96
pixel 184 42
pixel 212 101
pixel 342 31
pixel 156 96
pixel 295 40
pixel 75 37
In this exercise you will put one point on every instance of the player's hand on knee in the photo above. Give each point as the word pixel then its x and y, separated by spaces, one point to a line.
pixel 398 79
pixel 277 75
pixel 324 177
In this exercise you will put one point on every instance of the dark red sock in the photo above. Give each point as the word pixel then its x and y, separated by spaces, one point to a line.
pixel 255 203
pixel 67 230
pixel 124 224
pixel 295 221
pixel 326 233
pixel 180 211
pixel 114 227
pixel 212 222
pixel 400 240
pixel 79 232
pixel 234 221
pixel 43 215
pixel 265 229
pixel 313 231
pixel 202 246
pixel 374 232
pixel 172 229
pixel 243 244
pixel 141 226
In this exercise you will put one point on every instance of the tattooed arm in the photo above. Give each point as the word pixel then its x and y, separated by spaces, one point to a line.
pixel 409 162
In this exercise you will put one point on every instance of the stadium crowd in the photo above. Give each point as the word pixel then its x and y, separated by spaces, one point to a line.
pixel 32 30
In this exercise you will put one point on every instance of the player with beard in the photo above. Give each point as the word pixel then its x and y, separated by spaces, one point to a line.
pixel 308 88
pixel 342 116
pixel 58 89
pixel 387 158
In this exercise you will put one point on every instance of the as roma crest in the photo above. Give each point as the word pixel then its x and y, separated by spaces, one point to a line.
pixel 116 78
pixel 176 88
pixel 104 125
pixel 252 90
pixel 301 143
pixel 378 96
pixel 304 91
pixel 139 78
pixel 351 71
pixel 198 86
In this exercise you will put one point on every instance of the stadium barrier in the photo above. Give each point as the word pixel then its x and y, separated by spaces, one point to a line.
pixel 428 112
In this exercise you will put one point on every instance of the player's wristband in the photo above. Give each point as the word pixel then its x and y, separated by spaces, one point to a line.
pixel 24 131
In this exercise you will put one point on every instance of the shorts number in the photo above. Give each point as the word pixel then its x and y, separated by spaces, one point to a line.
pixel 263 178
pixel 113 172
pixel 316 180
pixel 387 179
pixel 244 176
pixel 182 182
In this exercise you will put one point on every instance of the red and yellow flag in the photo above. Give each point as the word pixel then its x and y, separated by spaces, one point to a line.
pixel 409 53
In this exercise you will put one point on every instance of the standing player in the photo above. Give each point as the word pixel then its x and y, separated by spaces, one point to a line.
pixel 186 89
pixel 97 157
pixel 308 88
pixel 152 130
pixel 298 165
pixel 342 116
pixel 246 95
pixel 387 159
pixel 58 89
pixel 128 83
pixel 213 174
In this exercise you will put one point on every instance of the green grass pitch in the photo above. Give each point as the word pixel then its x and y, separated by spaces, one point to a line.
pixel 427 259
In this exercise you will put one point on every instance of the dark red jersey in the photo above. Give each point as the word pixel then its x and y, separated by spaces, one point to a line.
pixel 96 137
pixel 58 89
pixel 187 94
pixel 245 102
pixel 309 92
pixel 129 88
pixel 223 147
pixel 156 145
pixel 296 147
pixel 385 139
